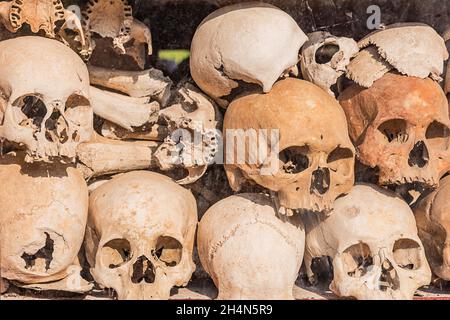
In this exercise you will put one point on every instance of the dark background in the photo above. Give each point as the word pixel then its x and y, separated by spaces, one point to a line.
pixel 173 22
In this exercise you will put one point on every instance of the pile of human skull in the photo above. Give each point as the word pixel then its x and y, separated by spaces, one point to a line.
pixel 337 153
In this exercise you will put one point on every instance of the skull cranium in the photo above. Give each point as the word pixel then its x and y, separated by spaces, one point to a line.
pixel 372 239
pixel 400 125
pixel 140 235
pixel 44 98
pixel 227 56
pixel 325 58
pixel 243 264
pixel 315 162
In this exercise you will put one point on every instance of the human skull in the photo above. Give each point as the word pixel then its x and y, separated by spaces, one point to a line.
pixel 38 14
pixel 372 239
pixel 412 49
pixel 44 98
pixel 43 219
pixel 227 53
pixel 433 221
pixel 47 16
pixel 114 19
pixel 140 235
pixel 313 161
pixel 325 58
pixel 242 263
pixel 400 125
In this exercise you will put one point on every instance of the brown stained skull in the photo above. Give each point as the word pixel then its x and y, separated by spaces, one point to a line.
pixel 400 125
pixel 44 98
pixel 314 163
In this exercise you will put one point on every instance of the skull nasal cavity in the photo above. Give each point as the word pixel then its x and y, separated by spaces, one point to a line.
pixel 143 270
pixel 389 277
pixel 326 52
pixel 320 181
pixel 52 122
pixel 419 155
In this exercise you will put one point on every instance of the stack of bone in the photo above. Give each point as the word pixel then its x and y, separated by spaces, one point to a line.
pixel 328 154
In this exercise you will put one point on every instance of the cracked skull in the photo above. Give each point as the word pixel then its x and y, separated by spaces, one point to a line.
pixel 231 248
pixel 372 240
pixel 433 221
pixel 44 98
pixel 412 49
pixel 313 161
pixel 400 125
pixel 140 235
pixel 228 56
pixel 44 214
pixel 325 58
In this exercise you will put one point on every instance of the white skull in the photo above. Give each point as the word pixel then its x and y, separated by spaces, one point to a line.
pixel 325 58
pixel 226 53
pixel 412 49
pixel 433 221
pixel 43 217
pixel 372 239
pixel 241 243
pixel 44 97
pixel 140 235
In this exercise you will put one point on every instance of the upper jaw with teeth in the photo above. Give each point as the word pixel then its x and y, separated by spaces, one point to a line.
pixel 314 206
pixel 426 182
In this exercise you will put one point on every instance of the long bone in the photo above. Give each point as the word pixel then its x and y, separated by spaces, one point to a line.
pixel 190 109
pixel 103 156
pixel 127 112
pixel 147 83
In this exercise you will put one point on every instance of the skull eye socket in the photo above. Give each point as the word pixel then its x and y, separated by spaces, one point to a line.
pixel 407 254
pixel 336 156
pixel 76 100
pixel 395 131
pixel 357 260
pixel 77 109
pixel 339 154
pixel 116 253
pixel 438 135
pixel 33 108
pixel 294 160
pixel 168 250
pixel 326 52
